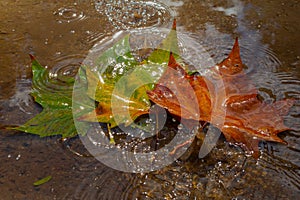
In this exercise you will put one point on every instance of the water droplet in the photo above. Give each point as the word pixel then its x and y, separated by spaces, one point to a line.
pixel 68 14
pixel 18 157
pixel 120 50
pixel 154 73
pixel 167 94
pixel 180 127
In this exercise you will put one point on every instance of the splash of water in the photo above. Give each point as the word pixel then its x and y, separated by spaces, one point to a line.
pixel 68 14
pixel 135 14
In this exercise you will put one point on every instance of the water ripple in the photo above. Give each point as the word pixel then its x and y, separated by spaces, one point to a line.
pixel 285 170
pixel 259 58
pixel 135 14
pixel 103 184
pixel 94 36
pixel 59 78
pixel 66 67
pixel 68 14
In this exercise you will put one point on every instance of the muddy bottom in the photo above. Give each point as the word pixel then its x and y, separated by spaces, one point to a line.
pixel 60 35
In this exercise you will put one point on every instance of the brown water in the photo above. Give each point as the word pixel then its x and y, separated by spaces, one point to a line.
pixel 60 34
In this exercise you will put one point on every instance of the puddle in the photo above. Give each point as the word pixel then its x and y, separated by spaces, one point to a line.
pixel 60 35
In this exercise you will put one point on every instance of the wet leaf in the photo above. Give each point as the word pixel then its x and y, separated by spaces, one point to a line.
pixel 42 181
pixel 56 117
pixel 248 120
pixel 228 96
pixel 51 122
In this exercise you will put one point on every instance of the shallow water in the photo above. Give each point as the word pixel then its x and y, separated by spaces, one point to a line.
pixel 61 33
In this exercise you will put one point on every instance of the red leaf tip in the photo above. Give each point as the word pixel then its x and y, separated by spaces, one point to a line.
pixel 174 25
pixel 31 57
pixel 235 52
pixel 236 41
pixel 172 60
